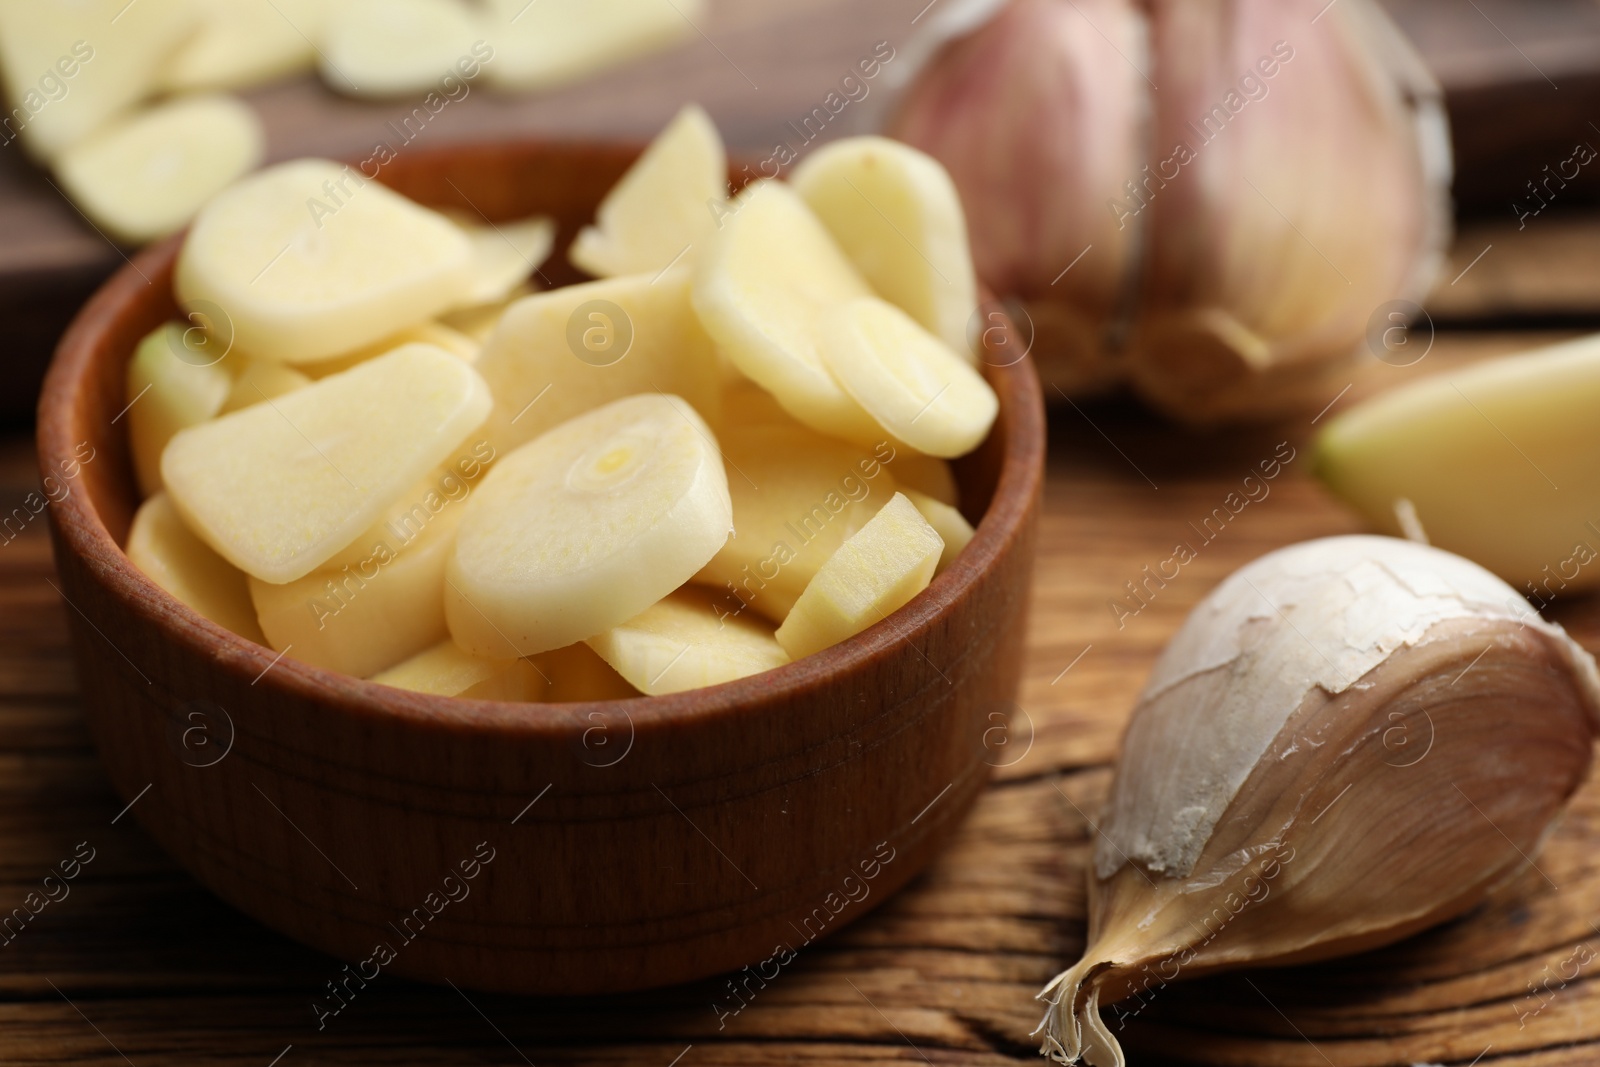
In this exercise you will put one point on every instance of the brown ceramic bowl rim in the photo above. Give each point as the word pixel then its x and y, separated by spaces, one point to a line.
pixel 82 531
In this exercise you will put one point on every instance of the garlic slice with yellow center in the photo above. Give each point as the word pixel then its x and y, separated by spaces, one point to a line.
pixel 1348 741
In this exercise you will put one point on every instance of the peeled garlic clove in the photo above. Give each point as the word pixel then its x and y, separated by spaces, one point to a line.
pixel 177 378
pixel 280 487
pixel 561 353
pixel 68 68
pixel 1349 740
pixel 145 176
pixel 241 43
pixel 504 254
pixel 951 526
pixel 913 384
pixel 368 615
pixel 1480 453
pixel 896 214
pixel 587 526
pixel 875 573
pixel 770 274
pixel 545 44
pixel 386 48
pixel 689 640
pixel 309 259
pixel 664 208
pixel 797 496
pixel 170 555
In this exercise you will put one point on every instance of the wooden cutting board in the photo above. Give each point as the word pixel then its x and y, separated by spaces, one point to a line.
pixel 139 965
pixel 1523 81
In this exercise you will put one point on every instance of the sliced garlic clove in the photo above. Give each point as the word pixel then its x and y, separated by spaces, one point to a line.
pixel 367 616
pixel 403 521
pixel 241 43
pixel 280 487
pixel 797 496
pixel 444 670
pixel 309 259
pixel 926 474
pixel 561 353
pixel 951 526
pixel 1480 453
pixel 895 212
pixel 915 387
pixel 504 254
pixel 587 526
pixel 761 305
pixel 877 571
pixel 665 208
pixel 177 378
pixel 478 321
pixel 576 673
pixel 389 48
pixel 259 380
pixel 546 44
pixel 1321 763
pixel 436 334
pixel 69 68
pixel 145 176
pixel 170 555
pixel 691 639
pixel 747 406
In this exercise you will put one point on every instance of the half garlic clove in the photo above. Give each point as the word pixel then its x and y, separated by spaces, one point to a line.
pixel 1348 741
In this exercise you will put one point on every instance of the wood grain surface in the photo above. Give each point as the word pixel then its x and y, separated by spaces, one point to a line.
pixel 139 965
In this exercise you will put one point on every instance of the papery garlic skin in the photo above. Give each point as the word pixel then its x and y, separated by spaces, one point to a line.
pixel 1348 741
pixel 1252 180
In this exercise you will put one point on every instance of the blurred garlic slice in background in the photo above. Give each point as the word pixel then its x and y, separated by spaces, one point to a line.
pixel 68 67
pixel 504 254
pixel 389 48
pixel 145 176
pixel 241 43
pixel 1206 200
pixel 540 44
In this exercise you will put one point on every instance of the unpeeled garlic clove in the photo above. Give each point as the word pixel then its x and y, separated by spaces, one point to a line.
pixel 1037 119
pixel 1282 163
pixel 1348 741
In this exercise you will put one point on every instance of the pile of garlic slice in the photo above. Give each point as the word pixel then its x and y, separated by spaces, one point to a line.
pixel 127 101
pixel 377 451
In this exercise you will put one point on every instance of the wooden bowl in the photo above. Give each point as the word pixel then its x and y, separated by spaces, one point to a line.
pixel 561 848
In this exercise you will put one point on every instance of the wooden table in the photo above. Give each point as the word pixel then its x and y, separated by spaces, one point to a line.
pixel 139 965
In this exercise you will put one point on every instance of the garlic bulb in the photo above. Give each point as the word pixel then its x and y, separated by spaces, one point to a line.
pixel 1207 199
pixel 1348 740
